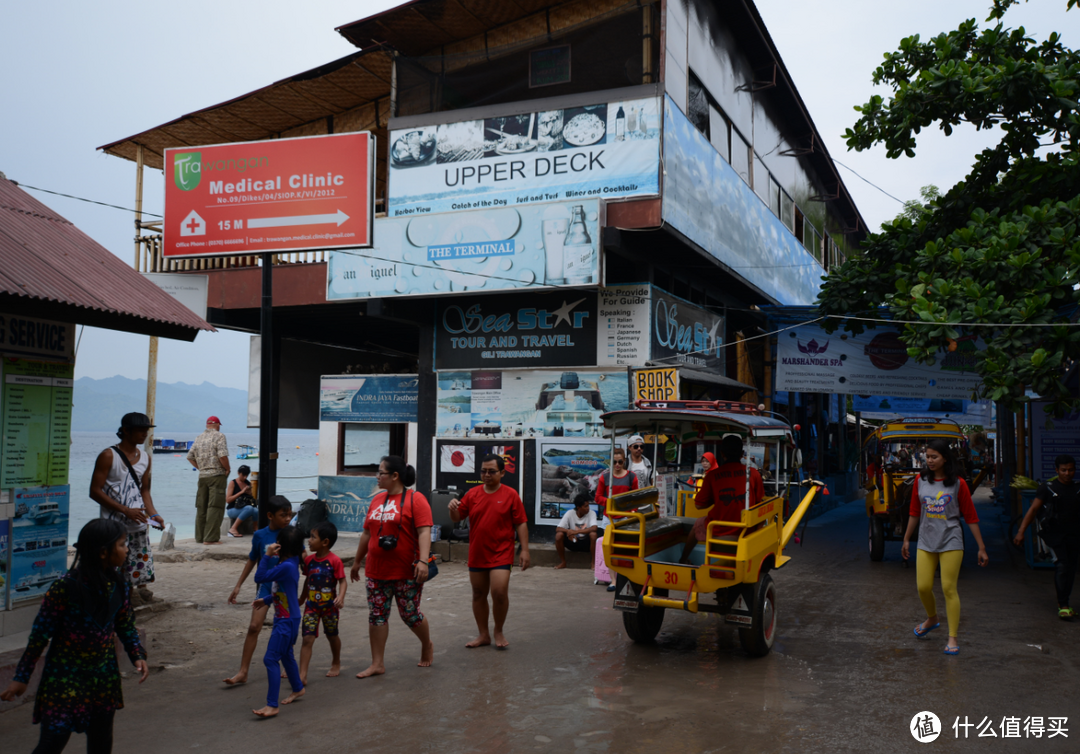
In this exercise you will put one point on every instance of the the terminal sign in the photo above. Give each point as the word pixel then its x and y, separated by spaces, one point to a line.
pixel 313 192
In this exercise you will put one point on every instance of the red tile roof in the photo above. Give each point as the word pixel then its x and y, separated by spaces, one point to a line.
pixel 52 270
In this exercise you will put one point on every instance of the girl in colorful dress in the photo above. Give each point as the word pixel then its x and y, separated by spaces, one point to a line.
pixel 938 501
pixel 79 690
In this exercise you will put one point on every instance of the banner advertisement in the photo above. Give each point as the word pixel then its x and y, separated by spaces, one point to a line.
pixel 686 334
pixel 36 423
pixel 30 336
pixel 568 469
pixel 312 192
pixel 527 403
pixel 5 549
pixel 38 539
pixel 548 329
pixel 541 246
pixel 1062 438
pixel 347 499
pixel 457 463
pixel 368 398
pixel 880 407
pixel 624 325
pixel 600 151
pixel 655 384
pixel 875 362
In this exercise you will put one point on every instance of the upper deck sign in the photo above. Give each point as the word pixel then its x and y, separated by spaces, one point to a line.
pixel 313 192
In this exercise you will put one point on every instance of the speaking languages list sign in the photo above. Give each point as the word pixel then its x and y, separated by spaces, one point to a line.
pixel 313 192
pixel 603 151
pixel 809 360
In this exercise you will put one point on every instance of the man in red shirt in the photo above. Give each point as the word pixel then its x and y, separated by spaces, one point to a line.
pixel 495 512
pixel 727 487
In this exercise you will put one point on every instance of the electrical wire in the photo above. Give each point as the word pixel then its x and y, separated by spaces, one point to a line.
pixel 879 188
pixel 954 324
pixel 741 340
pixel 81 199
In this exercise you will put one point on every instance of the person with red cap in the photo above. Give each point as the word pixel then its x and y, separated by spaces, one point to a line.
pixel 210 455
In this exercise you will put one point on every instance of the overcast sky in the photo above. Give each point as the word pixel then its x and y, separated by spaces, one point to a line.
pixel 80 75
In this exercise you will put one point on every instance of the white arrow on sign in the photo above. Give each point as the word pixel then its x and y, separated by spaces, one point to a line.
pixel 277 222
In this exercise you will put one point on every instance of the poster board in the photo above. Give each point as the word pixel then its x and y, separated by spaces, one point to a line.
pixel 38 539
pixel 36 423
pixel 5 550
pixel 567 466
pixel 368 398
pixel 457 463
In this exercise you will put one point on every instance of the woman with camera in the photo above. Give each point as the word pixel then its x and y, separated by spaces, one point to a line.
pixel 396 541
pixel 239 503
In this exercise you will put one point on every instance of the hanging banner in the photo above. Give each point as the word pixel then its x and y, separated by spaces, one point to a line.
pixel 368 398
pixel 606 150
pixel 29 336
pixel 38 539
pixel 313 192
pixel 541 246
pixel 890 407
pixel 811 361
pixel 526 403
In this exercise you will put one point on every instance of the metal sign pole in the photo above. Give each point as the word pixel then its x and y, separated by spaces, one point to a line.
pixel 267 397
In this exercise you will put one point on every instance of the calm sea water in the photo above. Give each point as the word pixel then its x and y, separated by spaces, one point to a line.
pixel 174 480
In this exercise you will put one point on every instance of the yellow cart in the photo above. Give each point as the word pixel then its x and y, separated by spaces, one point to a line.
pixel 726 575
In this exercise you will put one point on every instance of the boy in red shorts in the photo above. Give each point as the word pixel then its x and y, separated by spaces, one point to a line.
pixel 495 512
pixel 325 589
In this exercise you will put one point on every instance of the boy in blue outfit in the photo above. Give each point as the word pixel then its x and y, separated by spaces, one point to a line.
pixel 280 566
pixel 278 515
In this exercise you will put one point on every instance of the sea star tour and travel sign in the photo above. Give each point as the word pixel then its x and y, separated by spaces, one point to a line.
pixel 314 192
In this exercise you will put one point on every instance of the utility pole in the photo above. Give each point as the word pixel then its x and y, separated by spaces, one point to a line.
pixel 151 367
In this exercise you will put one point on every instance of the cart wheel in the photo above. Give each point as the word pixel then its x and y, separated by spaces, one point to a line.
pixel 758 639
pixel 643 626
pixel 877 539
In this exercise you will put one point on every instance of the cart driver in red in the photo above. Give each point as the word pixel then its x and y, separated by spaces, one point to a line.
pixel 495 513
pixel 725 486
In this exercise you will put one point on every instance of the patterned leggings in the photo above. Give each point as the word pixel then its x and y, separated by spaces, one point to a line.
pixel 99 736
pixel 407 593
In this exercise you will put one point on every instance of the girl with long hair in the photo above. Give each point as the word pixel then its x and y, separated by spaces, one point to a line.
pixel 79 690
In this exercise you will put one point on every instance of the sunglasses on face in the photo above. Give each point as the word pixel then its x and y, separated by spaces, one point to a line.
pixel 488 471
pixel 634 447
pixel 619 460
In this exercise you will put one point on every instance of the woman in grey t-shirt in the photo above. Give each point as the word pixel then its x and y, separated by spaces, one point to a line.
pixel 938 501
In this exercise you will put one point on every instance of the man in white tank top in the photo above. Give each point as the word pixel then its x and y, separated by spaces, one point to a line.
pixel 121 486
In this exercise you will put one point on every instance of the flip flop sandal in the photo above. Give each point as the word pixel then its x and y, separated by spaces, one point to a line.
pixel 1066 613
pixel 919 634
pixel 951 650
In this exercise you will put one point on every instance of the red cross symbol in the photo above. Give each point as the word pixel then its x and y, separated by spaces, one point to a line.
pixel 193 225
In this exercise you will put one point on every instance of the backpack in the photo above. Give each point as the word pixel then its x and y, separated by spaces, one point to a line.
pixel 312 512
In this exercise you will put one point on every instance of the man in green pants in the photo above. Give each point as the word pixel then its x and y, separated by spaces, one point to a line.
pixel 210 455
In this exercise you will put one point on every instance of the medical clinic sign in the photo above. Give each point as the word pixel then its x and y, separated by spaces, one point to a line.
pixel 314 192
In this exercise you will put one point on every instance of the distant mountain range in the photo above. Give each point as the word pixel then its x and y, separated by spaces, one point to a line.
pixel 99 404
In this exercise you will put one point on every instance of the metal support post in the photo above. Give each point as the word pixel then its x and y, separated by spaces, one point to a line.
pixel 267 390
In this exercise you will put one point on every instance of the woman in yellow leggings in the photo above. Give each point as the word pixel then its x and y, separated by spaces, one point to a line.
pixel 938 501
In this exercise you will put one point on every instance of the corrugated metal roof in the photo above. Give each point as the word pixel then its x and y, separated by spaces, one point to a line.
pixel 51 269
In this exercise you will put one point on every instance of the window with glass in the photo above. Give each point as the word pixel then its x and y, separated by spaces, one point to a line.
pixel 787 211
pixel 740 155
pixel 362 446
pixel 697 105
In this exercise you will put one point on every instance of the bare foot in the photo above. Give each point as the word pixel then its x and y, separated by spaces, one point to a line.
pixel 480 641
pixel 372 670
pixel 334 672
pixel 284 675
pixel 266 711
pixel 237 679
pixel 293 696
pixel 427 655
pixel 500 641
pixel 560 566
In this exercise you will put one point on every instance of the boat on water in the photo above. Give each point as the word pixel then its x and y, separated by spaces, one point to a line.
pixel 28 582
pixel 247 451
pixel 43 514
pixel 172 446
pixel 570 400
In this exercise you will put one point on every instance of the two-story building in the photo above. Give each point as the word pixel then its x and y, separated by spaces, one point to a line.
pixel 566 191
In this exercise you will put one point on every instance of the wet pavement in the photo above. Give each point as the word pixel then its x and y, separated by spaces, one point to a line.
pixel 846 674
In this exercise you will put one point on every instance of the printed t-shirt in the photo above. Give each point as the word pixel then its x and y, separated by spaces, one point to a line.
pixel 1060 500
pixel 259 540
pixel 571 521
pixel 726 487
pixel 939 509
pixel 398 515
pixel 492 518
pixel 285 577
pixel 323 575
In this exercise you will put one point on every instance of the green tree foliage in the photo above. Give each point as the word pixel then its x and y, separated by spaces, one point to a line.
pixel 1000 247
pixel 914 209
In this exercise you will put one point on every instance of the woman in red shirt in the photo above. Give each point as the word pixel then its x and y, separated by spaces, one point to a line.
pixel 398 530
pixel 614 481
